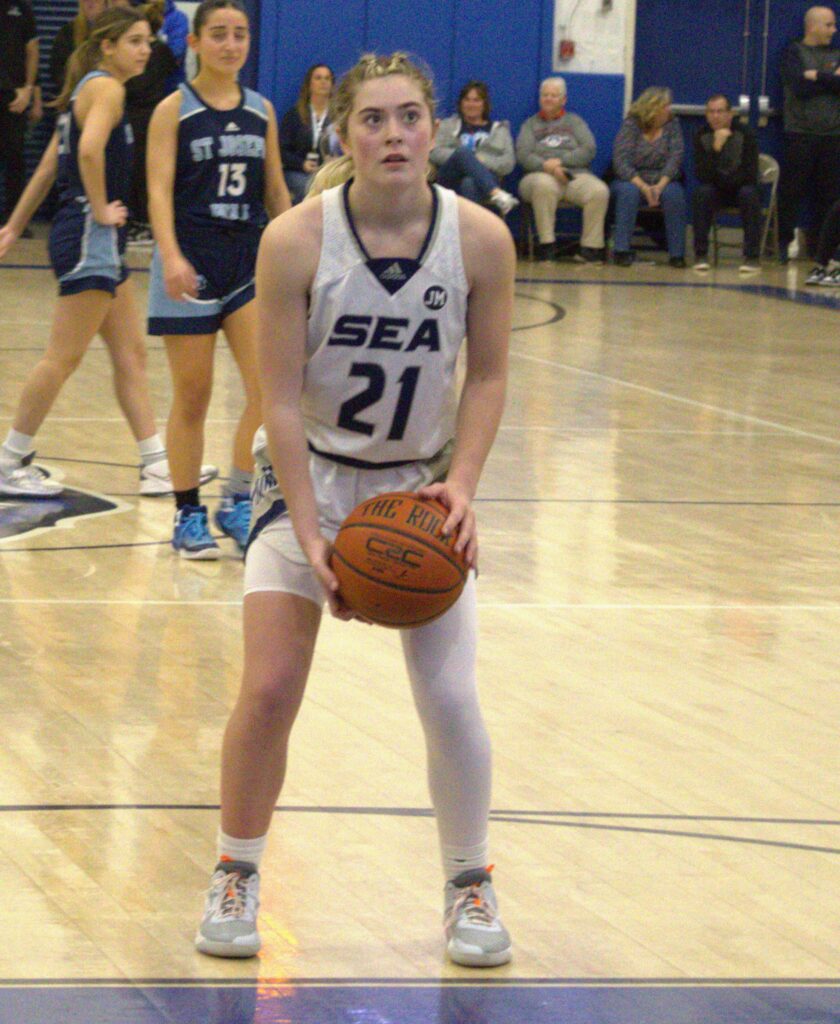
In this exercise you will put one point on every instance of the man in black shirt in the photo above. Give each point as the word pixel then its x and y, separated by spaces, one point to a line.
pixel 18 92
pixel 726 165
pixel 811 163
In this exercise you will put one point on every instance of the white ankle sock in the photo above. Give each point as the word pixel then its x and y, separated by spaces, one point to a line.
pixel 151 450
pixel 16 447
pixel 250 850
pixel 463 858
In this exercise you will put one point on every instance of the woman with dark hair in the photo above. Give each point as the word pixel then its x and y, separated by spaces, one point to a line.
pixel 472 153
pixel 215 180
pixel 302 128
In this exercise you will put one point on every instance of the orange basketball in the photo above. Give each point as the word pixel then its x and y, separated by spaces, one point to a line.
pixel 393 565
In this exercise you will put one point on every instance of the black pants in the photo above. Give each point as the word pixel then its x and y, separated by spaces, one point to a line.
pixel 12 137
pixel 137 199
pixel 810 167
pixel 708 199
pixel 829 241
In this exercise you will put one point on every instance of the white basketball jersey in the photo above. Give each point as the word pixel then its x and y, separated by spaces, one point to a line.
pixel 383 340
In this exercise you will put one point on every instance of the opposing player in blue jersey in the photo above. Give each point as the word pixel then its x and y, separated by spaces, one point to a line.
pixel 215 177
pixel 90 154
pixel 365 294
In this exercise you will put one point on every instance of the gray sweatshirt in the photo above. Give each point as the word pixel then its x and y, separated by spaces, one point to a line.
pixel 494 149
pixel 567 137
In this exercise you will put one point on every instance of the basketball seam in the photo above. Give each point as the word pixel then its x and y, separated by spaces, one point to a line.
pixel 410 536
pixel 394 586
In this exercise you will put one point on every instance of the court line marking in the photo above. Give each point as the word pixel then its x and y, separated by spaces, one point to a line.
pixel 121 419
pixel 287 982
pixel 768 291
pixel 506 605
pixel 671 397
pixel 547 428
pixel 424 812
pixel 496 817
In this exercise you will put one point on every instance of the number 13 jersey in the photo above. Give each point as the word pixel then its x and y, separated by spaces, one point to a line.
pixel 383 340
pixel 220 170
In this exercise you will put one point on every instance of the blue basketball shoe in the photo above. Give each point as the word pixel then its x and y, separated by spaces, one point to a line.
pixel 233 517
pixel 192 538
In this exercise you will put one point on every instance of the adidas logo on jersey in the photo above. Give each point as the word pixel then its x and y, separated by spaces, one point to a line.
pixel 392 273
pixel 231 126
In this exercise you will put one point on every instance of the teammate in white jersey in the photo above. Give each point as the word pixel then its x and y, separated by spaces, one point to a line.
pixel 364 294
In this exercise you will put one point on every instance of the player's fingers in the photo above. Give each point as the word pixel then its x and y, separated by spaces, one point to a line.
pixel 471 553
pixel 433 491
pixel 466 531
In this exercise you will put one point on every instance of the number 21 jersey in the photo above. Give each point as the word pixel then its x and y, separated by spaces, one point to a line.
pixel 383 340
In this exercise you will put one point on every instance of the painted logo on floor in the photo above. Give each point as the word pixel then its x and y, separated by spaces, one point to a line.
pixel 20 516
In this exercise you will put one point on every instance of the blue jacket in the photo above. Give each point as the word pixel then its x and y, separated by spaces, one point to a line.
pixel 174 33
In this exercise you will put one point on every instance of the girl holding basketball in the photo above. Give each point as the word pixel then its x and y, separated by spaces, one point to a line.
pixel 90 155
pixel 214 177
pixel 365 293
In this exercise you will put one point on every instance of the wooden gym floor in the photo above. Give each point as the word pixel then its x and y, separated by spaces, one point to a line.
pixel 660 607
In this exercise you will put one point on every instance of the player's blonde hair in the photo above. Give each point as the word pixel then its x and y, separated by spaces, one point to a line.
pixel 370 66
pixel 648 104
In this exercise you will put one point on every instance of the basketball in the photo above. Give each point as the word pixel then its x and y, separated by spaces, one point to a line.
pixel 393 565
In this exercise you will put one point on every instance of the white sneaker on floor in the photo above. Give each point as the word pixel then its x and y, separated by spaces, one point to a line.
pixel 702 265
pixel 19 481
pixel 156 482
pixel 229 925
pixel 831 279
pixel 750 267
pixel 504 201
pixel 475 935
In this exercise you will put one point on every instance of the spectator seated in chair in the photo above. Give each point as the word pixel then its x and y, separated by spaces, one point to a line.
pixel 302 128
pixel 555 148
pixel 647 161
pixel 726 165
pixel 471 152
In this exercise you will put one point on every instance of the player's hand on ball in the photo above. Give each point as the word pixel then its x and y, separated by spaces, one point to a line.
pixel 461 518
pixel 319 553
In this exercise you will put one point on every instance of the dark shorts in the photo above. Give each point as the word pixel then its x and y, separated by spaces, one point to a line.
pixel 86 256
pixel 225 262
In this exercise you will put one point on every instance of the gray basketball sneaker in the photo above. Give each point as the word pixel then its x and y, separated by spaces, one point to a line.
pixel 475 935
pixel 24 480
pixel 229 925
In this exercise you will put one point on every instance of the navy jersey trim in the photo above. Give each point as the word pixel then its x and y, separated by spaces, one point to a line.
pixel 278 509
pixel 347 460
pixel 392 272
pixel 218 110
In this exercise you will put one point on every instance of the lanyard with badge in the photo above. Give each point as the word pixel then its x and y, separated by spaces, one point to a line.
pixel 317 129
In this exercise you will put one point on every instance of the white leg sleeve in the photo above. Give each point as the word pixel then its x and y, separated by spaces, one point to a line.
pixel 440 659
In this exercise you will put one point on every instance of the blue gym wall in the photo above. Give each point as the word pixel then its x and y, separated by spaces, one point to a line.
pixel 507 43
pixel 697 48
pixel 693 46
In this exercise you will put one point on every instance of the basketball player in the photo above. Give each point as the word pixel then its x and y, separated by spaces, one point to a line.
pixel 365 293
pixel 214 170
pixel 90 153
